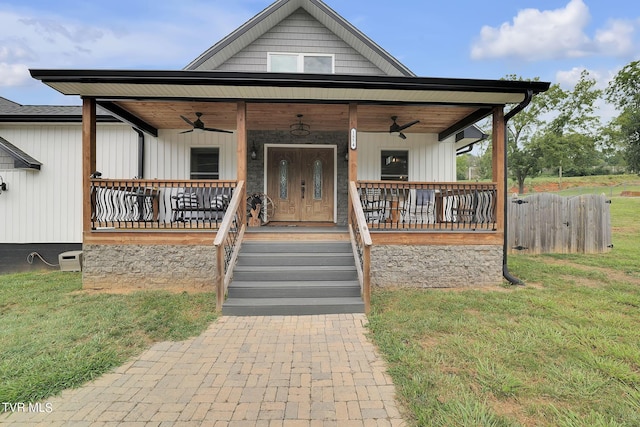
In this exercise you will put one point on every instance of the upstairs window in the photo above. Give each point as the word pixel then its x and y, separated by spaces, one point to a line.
pixel 300 63
pixel 205 163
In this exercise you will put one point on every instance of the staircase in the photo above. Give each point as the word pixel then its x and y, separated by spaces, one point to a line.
pixel 294 277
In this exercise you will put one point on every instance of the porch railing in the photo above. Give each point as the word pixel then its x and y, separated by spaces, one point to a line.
pixel 394 205
pixel 227 242
pixel 159 204
pixel 361 242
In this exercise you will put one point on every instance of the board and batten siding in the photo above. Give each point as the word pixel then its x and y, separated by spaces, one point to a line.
pixel 299 33
pixel 169 155
pixel 46 206
pixel 429 160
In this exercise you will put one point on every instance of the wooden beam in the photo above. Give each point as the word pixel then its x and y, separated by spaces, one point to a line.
pixel 353 154
pixel 465 122
pixel 128 117
pixel 151 238
pixel 241 150
pixel 499 155
pixel 437 238
pixel 88 159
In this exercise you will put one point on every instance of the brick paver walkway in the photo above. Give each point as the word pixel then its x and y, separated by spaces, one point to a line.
pixel 243 371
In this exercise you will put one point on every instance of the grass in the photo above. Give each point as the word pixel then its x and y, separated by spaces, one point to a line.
pixel 562 351
pixel 55 336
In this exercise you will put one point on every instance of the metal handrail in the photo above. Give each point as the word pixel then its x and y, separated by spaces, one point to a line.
pixel 159 203
pixel 436 206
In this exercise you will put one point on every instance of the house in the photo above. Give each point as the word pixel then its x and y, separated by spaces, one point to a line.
pixel 321 125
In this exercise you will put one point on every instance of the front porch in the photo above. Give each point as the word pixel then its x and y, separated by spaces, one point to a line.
pixel 421 230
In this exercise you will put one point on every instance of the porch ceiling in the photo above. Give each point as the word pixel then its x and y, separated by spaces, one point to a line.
pixel 279 116
pixel 155 100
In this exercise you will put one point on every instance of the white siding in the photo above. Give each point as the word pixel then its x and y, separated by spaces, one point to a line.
pixel 168 156
pixel 46 206
pixel 429 160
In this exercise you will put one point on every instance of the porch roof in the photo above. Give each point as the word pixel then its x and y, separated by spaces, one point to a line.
pixel 155 99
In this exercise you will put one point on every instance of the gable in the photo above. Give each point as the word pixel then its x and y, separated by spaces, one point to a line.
pixel 300 33
pixel 294 25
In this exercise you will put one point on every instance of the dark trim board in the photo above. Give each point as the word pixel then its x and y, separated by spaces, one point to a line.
pixel 13 256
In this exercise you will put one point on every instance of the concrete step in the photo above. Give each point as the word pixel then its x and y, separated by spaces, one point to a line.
pixel 295 273
pixel 294 289
pixel 292 306
pixel 295 259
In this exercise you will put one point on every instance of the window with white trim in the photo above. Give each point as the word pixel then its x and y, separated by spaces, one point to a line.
pixel 205 163
pixel 300 63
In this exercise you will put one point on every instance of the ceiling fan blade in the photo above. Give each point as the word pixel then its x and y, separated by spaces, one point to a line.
pixel 402 135
pixel 403 127
pixel 217 130
pixel 188 121
pixel 186 131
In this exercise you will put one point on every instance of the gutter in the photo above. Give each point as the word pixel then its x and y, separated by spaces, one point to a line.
pixel 140 153
pixel 505 269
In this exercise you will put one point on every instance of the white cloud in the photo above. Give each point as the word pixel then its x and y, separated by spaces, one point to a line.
pixel 14 74
pixel 616 38
pixel 32 38
pixel 552 34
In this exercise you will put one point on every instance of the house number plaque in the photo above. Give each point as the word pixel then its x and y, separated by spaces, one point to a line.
pixel 354 142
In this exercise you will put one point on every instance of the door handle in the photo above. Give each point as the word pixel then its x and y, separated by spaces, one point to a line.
pixel 302 187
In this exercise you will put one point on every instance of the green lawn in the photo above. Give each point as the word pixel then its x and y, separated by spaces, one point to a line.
pixel 55 336
pixel 562 351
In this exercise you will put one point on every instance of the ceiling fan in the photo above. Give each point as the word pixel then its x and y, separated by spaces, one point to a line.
pixel 198 125
pixel 396 128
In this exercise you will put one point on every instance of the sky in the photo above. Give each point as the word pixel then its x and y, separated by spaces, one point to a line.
pixel 554 40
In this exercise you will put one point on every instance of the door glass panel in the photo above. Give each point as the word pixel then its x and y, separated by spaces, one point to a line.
pixel 284 179
pixel 317 180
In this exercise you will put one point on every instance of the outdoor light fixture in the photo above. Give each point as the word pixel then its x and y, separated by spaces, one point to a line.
pixel 254 152
pixel 3 185
pixel 299 128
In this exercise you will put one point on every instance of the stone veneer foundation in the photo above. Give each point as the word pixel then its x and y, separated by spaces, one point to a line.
pixel 175 267
pixel 427 266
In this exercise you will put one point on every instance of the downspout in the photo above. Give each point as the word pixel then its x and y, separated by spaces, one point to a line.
pixel 505 269
pixel 140 153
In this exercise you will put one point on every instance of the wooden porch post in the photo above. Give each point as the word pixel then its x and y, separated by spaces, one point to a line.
pixel 241 126
pixel 498 163
pixel 353 154
pixel 88 158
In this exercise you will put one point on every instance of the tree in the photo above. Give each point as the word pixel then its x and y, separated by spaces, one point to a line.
pixel 556 130
pixel 523 151
pixel 624 131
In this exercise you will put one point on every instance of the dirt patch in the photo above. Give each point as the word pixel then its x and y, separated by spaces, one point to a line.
pixel 611 274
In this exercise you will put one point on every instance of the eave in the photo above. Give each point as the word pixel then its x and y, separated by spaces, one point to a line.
pixel 464 101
